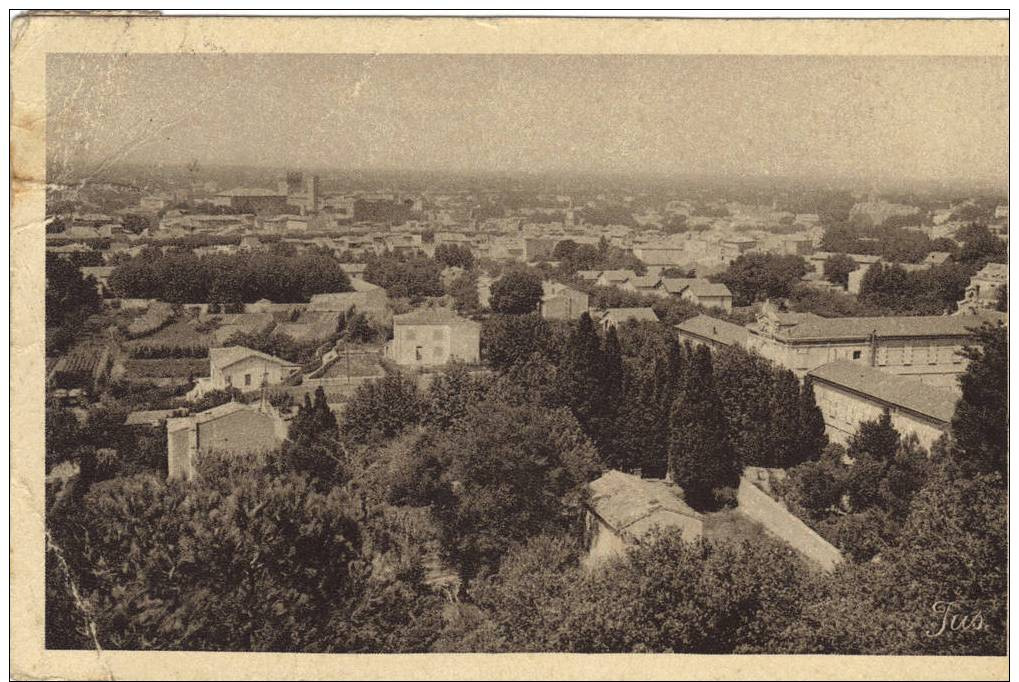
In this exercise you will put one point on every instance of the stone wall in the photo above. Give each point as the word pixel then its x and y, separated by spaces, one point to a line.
pixel 765 510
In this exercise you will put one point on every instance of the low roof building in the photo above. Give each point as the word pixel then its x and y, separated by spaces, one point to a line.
pixel 624 510
pixel 712 332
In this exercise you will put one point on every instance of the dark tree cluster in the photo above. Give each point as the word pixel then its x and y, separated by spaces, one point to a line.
pixel 182 277
pixel 517 292
pixel 934 291
pixel 70 300
pixel 404 275
pixel 454 256
pixel 753 277
pixel 573 257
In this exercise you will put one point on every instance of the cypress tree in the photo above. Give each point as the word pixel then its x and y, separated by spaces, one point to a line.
pixel 813 439
pixel 580 371
pixel 701 458
pixel 784 421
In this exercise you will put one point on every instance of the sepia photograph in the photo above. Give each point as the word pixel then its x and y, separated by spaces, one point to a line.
pixel 390 351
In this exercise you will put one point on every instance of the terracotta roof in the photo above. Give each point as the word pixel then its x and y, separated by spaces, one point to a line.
pixel 719 331
pixel 892 389
pixel 633 505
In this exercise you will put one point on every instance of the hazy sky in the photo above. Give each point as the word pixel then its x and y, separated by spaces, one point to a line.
pixel 910 118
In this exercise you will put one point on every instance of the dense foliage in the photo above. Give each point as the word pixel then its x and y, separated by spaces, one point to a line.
pixel 182 277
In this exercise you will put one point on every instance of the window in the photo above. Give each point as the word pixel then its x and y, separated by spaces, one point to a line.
pixel 418 355
pixel 247 379
pixel 856 354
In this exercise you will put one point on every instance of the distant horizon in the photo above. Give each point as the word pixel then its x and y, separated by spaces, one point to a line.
pixel 887 120
pixel 878 185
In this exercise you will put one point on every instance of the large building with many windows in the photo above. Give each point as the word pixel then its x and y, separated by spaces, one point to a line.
pixel 927 348
pixel 849 393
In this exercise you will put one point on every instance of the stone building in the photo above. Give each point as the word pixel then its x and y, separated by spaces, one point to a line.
pixel 433 338
pixel 924 347
pixel 232 429
pixel 624 509
pixel 242 368
pixel 560 302
pixel 849 393
pixel 982 292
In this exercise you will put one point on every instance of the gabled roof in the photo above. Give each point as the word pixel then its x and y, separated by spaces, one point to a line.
pixel 224 357
pixel 891 389
pixel 937 257
pixel 677 285
pixel 633 506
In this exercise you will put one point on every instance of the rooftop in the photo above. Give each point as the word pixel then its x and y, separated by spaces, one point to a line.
pixel 994 271
pixel 702 287
pixel 224 357
pixel 676 285
pixel 623 314
pixel 719 331
pixel 892 389
pixel 797 327
pixel 634 506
